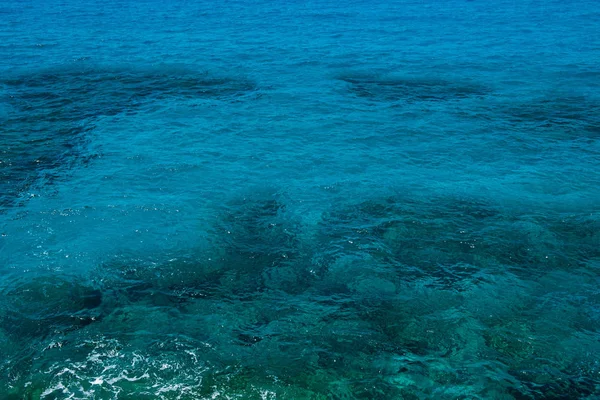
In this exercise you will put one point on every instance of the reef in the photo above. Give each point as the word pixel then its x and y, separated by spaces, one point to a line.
pixel 48 114
pixel 393 297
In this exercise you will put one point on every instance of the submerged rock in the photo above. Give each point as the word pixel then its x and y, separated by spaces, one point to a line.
pixel 254 247
pixel 52 110
pixel 556 116
pixel 259 245
pixel 48 305
pixel 394 88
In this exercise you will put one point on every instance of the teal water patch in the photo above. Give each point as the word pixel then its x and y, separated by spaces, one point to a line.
pixel 51 113
pixel 368 200
pixel 389 298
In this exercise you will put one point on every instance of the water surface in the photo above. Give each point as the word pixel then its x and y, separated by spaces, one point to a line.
pixel 299 200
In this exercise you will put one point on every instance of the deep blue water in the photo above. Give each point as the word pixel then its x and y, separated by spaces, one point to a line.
pixel 300 200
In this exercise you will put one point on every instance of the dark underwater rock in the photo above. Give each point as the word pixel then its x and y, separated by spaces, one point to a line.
pixel 419 238
pixel 390 88
pixel 48 112
pixel 79 91
pixel 254 247
pixel 451 240
pixel 258 243
pixel 556 116
pixel 48 305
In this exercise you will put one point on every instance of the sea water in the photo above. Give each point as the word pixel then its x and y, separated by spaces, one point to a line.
pixel 299 200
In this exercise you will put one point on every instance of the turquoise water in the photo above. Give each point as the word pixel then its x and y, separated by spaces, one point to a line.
pixel 299 200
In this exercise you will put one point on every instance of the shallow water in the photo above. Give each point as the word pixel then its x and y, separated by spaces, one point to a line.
pixel 370 200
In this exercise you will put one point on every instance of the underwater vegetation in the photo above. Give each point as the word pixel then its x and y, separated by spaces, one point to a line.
pixel 392 297
pixel 47 115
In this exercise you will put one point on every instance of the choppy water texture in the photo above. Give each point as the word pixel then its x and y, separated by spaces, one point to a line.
pixel 299 200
